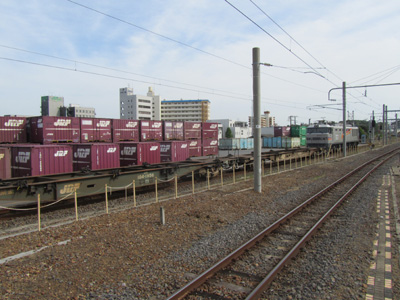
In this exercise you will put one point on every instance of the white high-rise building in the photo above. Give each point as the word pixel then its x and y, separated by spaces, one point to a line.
pixel 139 107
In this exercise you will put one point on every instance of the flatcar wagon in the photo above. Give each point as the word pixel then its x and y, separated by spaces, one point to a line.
pixel 331 136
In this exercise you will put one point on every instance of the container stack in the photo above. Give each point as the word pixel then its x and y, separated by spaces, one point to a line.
pixel 284 137
pixel 209 137
pixel 299 131
pixel 44 145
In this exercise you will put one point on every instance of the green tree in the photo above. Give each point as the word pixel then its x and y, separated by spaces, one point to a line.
pixel 228 133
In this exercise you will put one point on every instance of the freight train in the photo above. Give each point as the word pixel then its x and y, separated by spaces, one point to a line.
pixel 331 136
pixel 40 146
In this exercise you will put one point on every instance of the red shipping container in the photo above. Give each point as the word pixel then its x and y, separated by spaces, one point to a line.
pixel 136 154
pixel 173 130
pixel 192 130
pixel 282 131
pixel 174 151
pixel 195 148
pixel 95 156
pixel 95 130
pixel 40 160
pixel 151 131
pixel 5 163
pixel 209 131
pixel 13 130
pixel 47 130
pixel 210 147
pixel 125 130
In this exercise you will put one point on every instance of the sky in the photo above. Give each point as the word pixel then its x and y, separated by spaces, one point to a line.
pixel 85 51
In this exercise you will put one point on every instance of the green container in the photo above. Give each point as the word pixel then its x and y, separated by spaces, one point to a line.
pixel 303 141
pixel 298 130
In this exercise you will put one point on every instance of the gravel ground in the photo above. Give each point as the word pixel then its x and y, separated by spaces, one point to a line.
pixel 130 255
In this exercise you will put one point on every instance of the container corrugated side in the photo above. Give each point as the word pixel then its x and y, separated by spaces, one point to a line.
pixel 303 141
pixel 195 148
pixel 136 154
pixel 47 130
pixel 40 160
pixel 229 144
pixel 267 142
pixel 151 130
pixel 209 130
pixel 173 130
pixel 95 130
pixel 250 143
pixel 277 142
pixel 281 131
pixel 13 130
pixel 192 130
pixel 125 130
pixel 296 141
pixel 210 147
pixel 173 151
pixel 95 156
pixel 243 144
pixel 5 163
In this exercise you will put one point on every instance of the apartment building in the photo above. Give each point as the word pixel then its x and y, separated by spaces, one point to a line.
pixel 185 110
pixel 139 107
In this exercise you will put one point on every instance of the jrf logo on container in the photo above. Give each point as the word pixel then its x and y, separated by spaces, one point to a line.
pixel 82 153
pixel 128 150
pixel 156 125
pixel 23 157
pixel 13 123
pixel 131 124
pixel 61 153
pixel 62 122
pixel 153 148
pixel 112 150
pixel 70 188
pixel 103 124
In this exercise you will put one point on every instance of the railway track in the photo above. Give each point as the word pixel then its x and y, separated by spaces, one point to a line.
pixel 238 276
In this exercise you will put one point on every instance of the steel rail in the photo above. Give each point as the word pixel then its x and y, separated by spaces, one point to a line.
pixel 203 277
pixel 263 285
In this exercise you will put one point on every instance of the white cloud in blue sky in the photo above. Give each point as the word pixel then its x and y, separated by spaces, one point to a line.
pixel 353 39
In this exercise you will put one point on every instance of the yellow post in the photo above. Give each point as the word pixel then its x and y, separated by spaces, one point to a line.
pixel 244 168
pixel 277 162
pixel 176 186
pixel 270 167
pixel 233 168
pixel 76 206
pixel 301 161
pixel 284 165
pixel 208 179
pixel 38 207
pixel 222 178
pixel 134 193
pixel 106 199
pixel 155 182
pixel 193 182
pixel 290 163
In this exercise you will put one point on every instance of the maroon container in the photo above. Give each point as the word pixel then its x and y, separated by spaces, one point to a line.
pixel 136 154
pixel 192 130
pixel 151 131
pixel 39 160
pixel 195 148
pixel 174 151
pixel 173 130
pixel 13 130
pixel 47 130
pixel 282 131
pixel 95 130
pixel 210 147
pixel 209 131
pixel 95 156
pixel 5 163
pixel 125 130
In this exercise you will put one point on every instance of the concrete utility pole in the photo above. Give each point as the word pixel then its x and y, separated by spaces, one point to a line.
pixel 344 119
pixel 257 120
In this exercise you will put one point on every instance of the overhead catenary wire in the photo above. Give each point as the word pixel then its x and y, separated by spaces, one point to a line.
pixel 74 69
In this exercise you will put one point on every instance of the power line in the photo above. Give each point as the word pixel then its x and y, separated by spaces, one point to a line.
pixel 249 98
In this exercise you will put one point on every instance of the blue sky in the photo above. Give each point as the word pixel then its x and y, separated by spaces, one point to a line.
pixel 201 50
